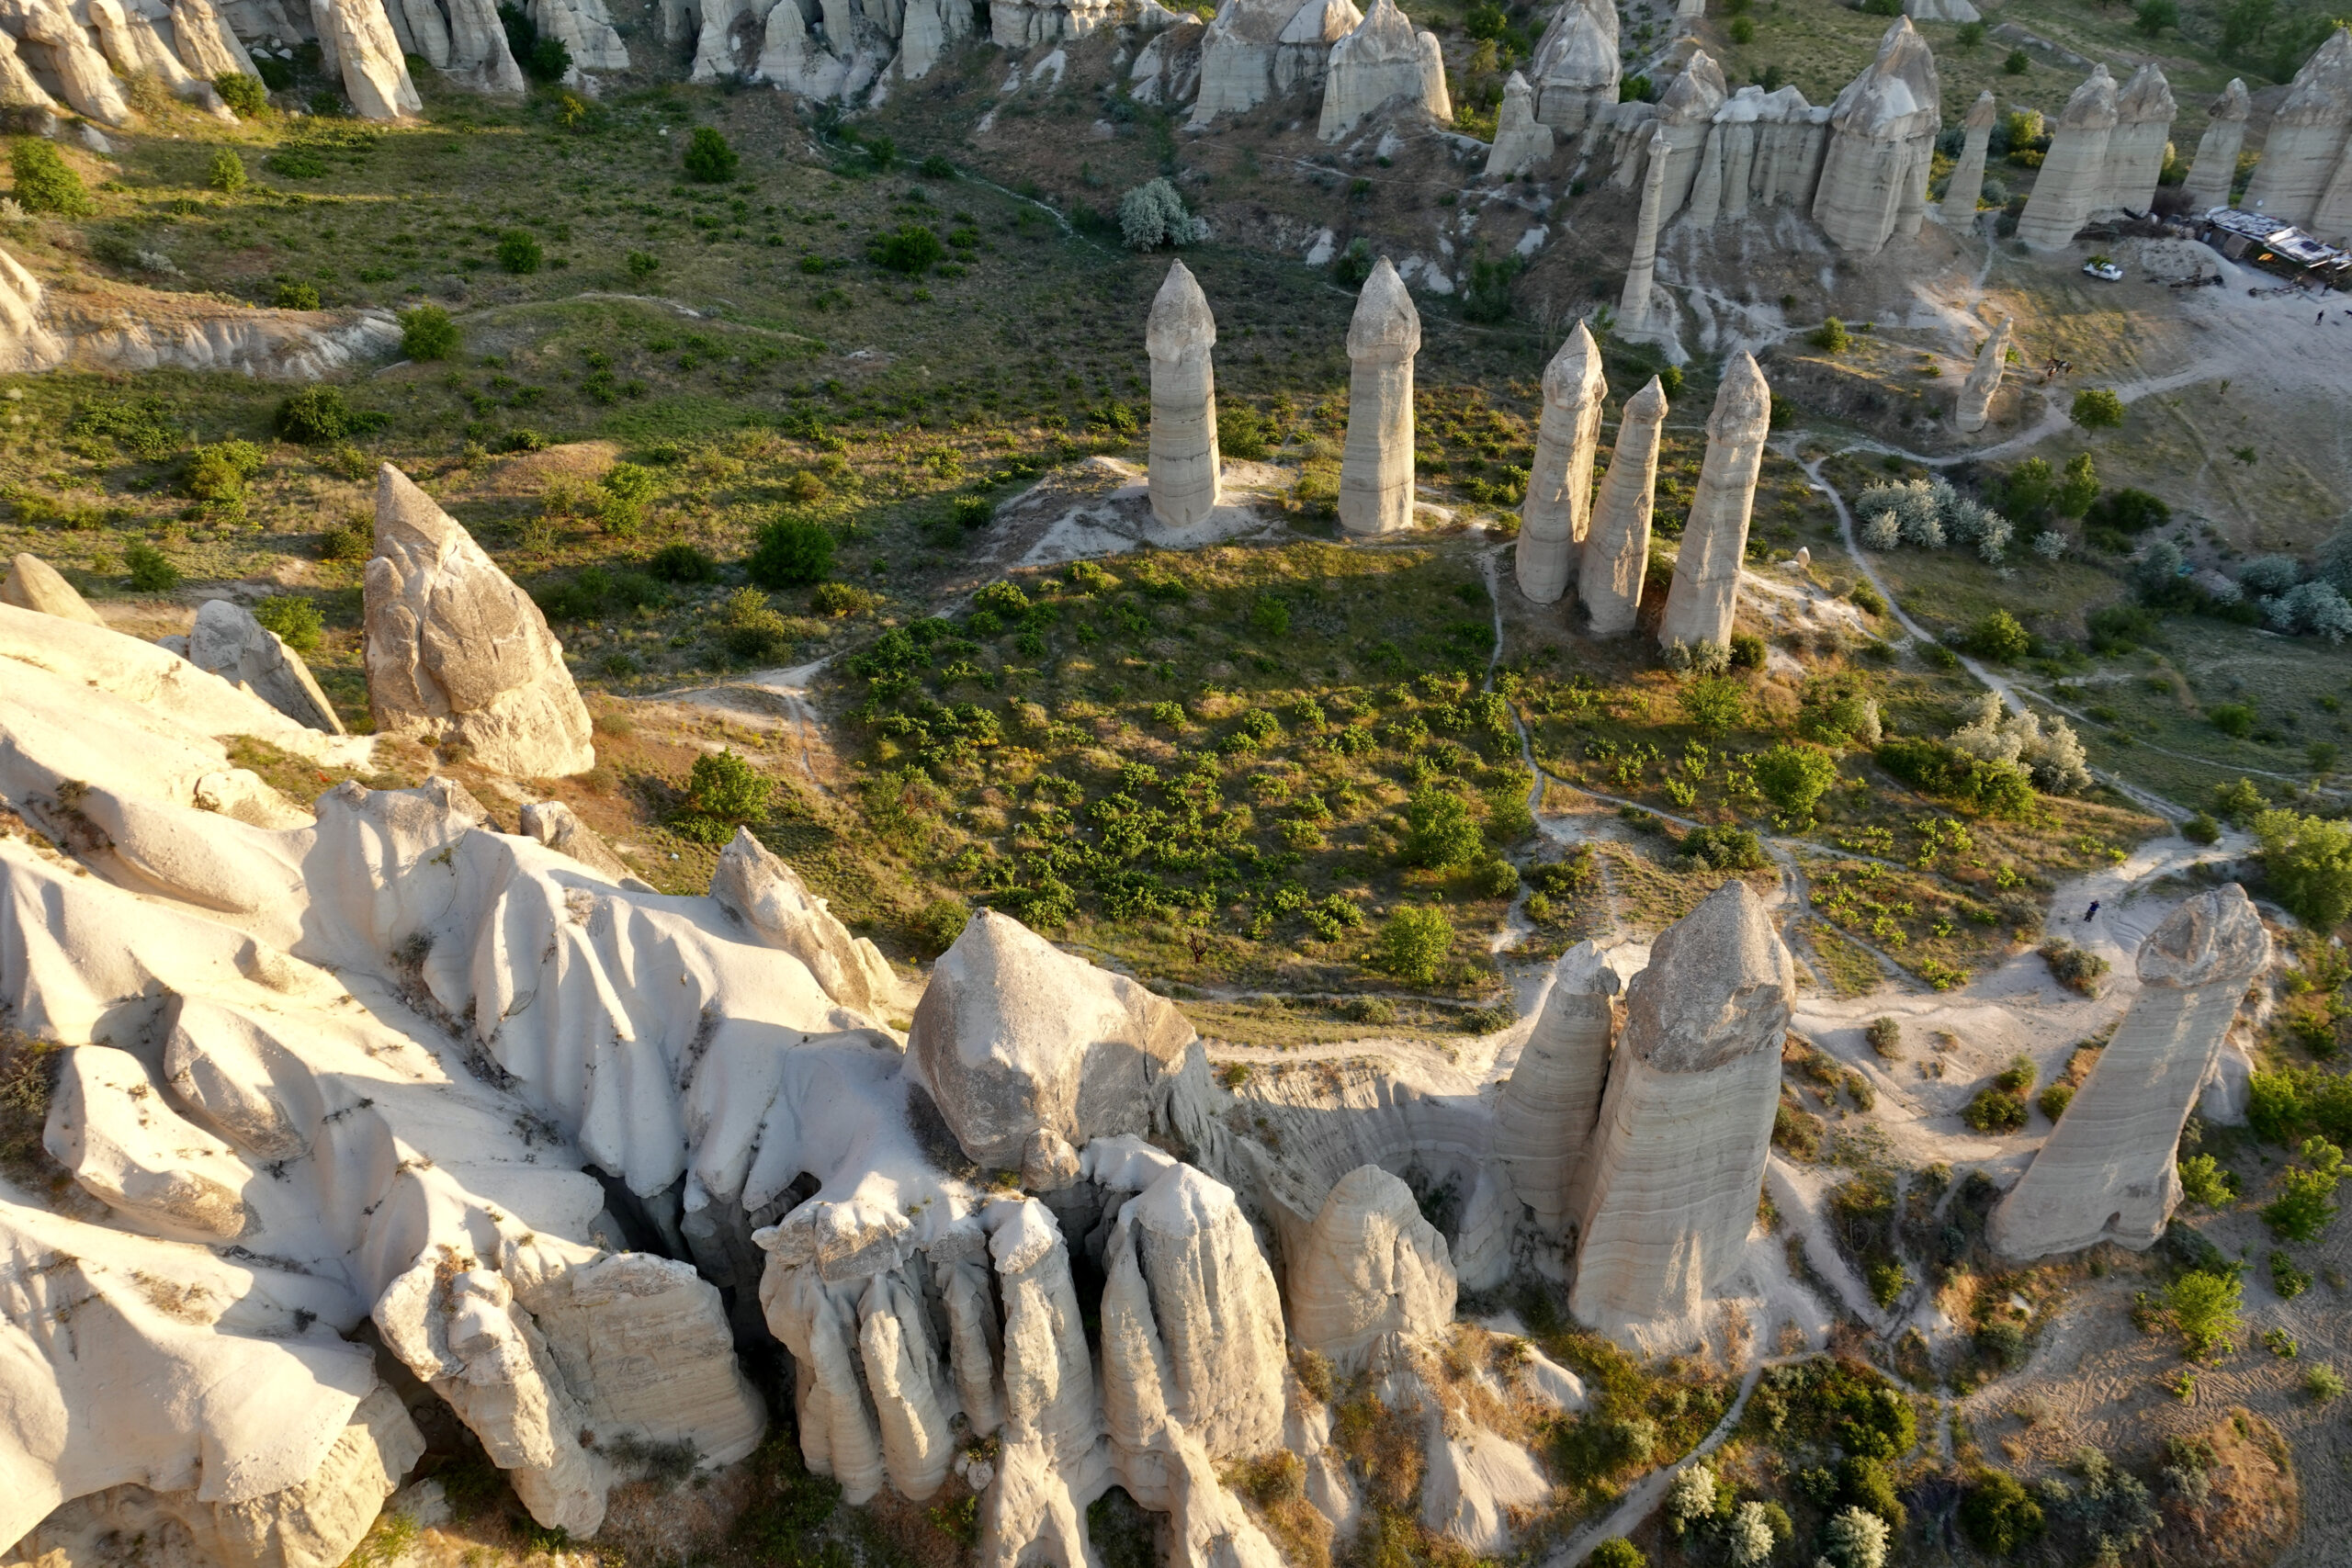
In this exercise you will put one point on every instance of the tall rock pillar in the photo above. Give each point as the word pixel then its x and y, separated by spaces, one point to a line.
pixel 1179 337
pixel 1376 470
pixel 1617 550
pixel 2106 1173
pixel 1975 405
pixel 1545 1112
pixel 1705 595
pixel 1559 488
pixel 1968 177
pixel 1633 306
pixel 1686 1122
pixel 1881 138
pixel 2215 167
pixel 2308 135
pixel 2135 150
pixel 2072 182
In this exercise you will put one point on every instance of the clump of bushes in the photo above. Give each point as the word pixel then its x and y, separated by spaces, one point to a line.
pixel 296 620
pixel 2077 969
pixel 45 182
pixel 2000 1105
pixel 723 793
pixel 1152 216
pixel 428 333
pixel 790 553
pixel 151 570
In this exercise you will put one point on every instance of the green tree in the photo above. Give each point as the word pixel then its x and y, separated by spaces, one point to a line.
pixel 1830 336
pixel 2079 487
pixel 2205 1308
pixel 2098 408
pixel 1713 702
pixel 519 253
pixel 789 554
pixel 316 415
pixel 708 158
pixel 1412 945
pixel 2000 636
pixel 911 248
pixel 1997 1515
pixel 723 793
pixel 1439 832
pixel 1617 1552
pixel 2306 1201
pixel 247 99
pixel 2154 16
pixel 228 171
pixel 428 334
pixel 45 183
pixel 2309 862
pixel 2202 1181
pixel 1793 776
pixel 2017 63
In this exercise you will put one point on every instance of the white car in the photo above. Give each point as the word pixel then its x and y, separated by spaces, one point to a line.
pixel 2100 267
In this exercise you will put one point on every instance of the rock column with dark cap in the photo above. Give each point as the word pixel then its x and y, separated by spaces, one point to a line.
pixel 1559 487
pixel 1705 596
pixel 2106 1173
pixel 1686 1122
pixel 1183 402
pixel 1617 551
pixel 1376 470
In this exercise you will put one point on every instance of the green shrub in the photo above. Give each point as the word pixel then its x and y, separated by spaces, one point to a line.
pixel 1996 789
pixel 1998 636
pixel 522 438
pixel 1747 651
pixel 1498 878
pixel 2098 408
pixel 216 473
pixel 2305 1204
pixel 518 251
pixel 296 620
pixel 1997 1516
pixel 2203 1181
pixel 2323 1382
pixel 2309 865
pixel 152 571
pixel 1885 1037
pixel 629 481
pixel 1412 945
pixel 2236 720
pixel 1440 831
pixel 723 793
pixel 2076 968
pixel 913 249
pixel 790 553
pixel 2200 829
pixel 2205 1308
pixel 841 599
pixel 1793 776
pixel 708 158
pixel 1995 1110
pixel 2018 62
pixel 227 173
pixel 44 181
pixel 316 415
pixel 640 265
pixel 1240 432
pixel 1830 336
pixel 1617 1552
pixel 1726 848
pixel 294 294
pixel 1713 702
pixel 428 334
pixel 682 563
pixel 2055 1099
pixel 248 99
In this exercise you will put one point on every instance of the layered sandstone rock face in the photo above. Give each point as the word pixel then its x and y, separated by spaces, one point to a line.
pixel 356 38
pixel 1761 148
pixel 2301 178
pixel 33 584
pixel 1257 48
pixel 2215 166
pixel 84 78
pixel 1521 141
pixel 1383 60
pixel 1685 118
pixel 454 648
pixel 1637 308
pixel 1376 467
pixel 1559 486
pixel 1977 393
pixel 1546 1113
pixel 1704 599
pixel 207 45
pixel 2135 149
pixel 1576 66
pixel 2072 182
pixel 1882 137
pixel 2108 1171
pixel 1967 186
pixel 229 642
pixel 1685 1122
pixel 1014 1036
pixel 1370 1269
pixel 1184 469
pixel 1617 549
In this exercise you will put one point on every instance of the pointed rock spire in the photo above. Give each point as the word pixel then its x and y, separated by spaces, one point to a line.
pixel 1551 519
pixel 1184 462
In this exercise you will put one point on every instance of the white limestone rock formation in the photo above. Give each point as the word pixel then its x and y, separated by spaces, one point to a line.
pixel 228 641
pixel 1013 1034
pixel 83 79
pixel 2215 167
pixel 1956 11
pixel 20 88
pixel 759 889
pixel 356 38
pixel 2072 182
pixel 1559 486
pixel 1967 186
pixel 1547 1108
pixel 556 825
pixel 1521 141
pixel 928 30
pixel 2107 1172
pixel 1873 183
pixel 1638 312
pixel 480 56
pixel 1761 148
pixel 585 28
pixel 1384 60
pixel 2136 148
pixel 33 584
pixel 1238 56
pixel 793 58
pixel 1685 1122
pixel 1576 66
pixel 118 328
pixel 1704 599
pixel 1184 469
pixel 1977 393
pixel 1372 1269
pixel 1686 116
pixel 1303 52
pixel 131 45
pixel 207 44
pixel 1376 467
pixel 1617 549
pixel 454 648
pixel 2303 171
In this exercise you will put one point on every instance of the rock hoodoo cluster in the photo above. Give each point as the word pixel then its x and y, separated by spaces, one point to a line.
pixel 2107 1172
pixel 1383 60
pixel 1256 49
pixel 2305 175
pixel 1883 128
pixel 2106 152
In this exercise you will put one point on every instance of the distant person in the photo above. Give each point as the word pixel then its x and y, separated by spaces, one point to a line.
pixel 2091 911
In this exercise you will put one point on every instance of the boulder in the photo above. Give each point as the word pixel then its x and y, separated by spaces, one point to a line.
pixel 454 648
pixel 229 642
pixel 33 584
pixel 1013 1034
pixel 1372 1268
pixel 767 896
pixel 556 825
pixel 207 45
